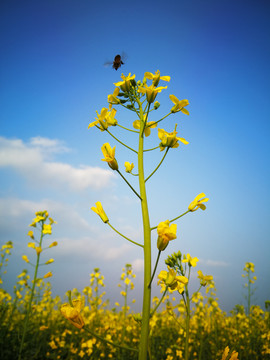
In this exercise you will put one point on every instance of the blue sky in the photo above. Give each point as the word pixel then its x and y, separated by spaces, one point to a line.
pixel 52 82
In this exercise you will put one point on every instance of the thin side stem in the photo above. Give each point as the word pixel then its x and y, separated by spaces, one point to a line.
pixel 121 142
pixel 29 306
pixel 107 341
pixel 134 242
pixel 160 301
pixel 155 269
pixel 178 217
pixel 158 165
pixel 129 184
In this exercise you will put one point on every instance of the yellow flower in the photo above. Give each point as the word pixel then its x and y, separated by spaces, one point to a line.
pixel 47 229
pixel 55 243
pixel 31 234
pixel 49 274
pixel 52 221
pixel 37 219
pixel 99 210
pixel 249 266
pixel 129 167
pixel 72 313
pixel 150 91
pixel 38 250
pixel 191 261
pixel 110 118
pixel 7 245
pixel 169 139
pixel 43 327
pixel 31 245
pixel 49 261
pixel 151 124
pixel 125 84
pixel 22 274
pixel 112 98
pixel 156 78
pixel 170 279
pixel 18 294
pixel 204 279
pixel 109 153
pixel 25 258
pixel 100 120
pixel 198 202
pixel 234 354
pixel 179 105
pixel 166 233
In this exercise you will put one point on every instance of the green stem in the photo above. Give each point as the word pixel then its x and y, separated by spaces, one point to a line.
pixel 107 341
pixel 249 295
pixel 147 246
pixel 162 118
pixel 188 317
pixel 135 131
pixel 149 285
pixel 166 152
pixel 29 306
pixel 129 184
pixel 121 142
pixel 157 147
pixel 160 301
pixel 178 217
pixel 134 242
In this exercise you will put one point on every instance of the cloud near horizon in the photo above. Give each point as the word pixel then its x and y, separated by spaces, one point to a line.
pixel 31 160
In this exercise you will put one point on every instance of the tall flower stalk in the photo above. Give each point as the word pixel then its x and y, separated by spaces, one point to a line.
pixel 139 97
pixel 45 229
pixel 249 269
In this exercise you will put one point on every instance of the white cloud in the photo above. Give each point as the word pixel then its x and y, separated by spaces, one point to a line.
pixel 31 161
pixel 138 265
pixel 214 263
pixel 87 248
pixel 15 210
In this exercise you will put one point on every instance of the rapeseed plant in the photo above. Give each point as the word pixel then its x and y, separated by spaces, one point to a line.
pixel 140 98
pixel 44 229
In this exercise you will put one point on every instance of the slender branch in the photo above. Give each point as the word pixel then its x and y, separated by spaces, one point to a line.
pixel 160 301
pixel 134 242
pixel 149 285
pixel 146 118
pixel 135 131
pixel 129 184
pixel 134 108
pixel 121 142
pixel 107 341
pixel 166 152
pixel 29 305
pixel 156 122
pixel 178 217
pixel 157 147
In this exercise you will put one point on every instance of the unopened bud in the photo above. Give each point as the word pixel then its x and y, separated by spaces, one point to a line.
pixel 156 105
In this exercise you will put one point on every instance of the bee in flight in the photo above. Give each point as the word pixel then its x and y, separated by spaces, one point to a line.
pixel 117 62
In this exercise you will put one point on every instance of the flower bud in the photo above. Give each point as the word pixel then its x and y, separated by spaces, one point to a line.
pixel 156 105
pixel 161 243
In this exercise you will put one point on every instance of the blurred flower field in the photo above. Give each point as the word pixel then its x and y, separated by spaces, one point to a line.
pixel 50 336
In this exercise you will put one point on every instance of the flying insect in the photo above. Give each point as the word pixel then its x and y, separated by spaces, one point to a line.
pixel 117 62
